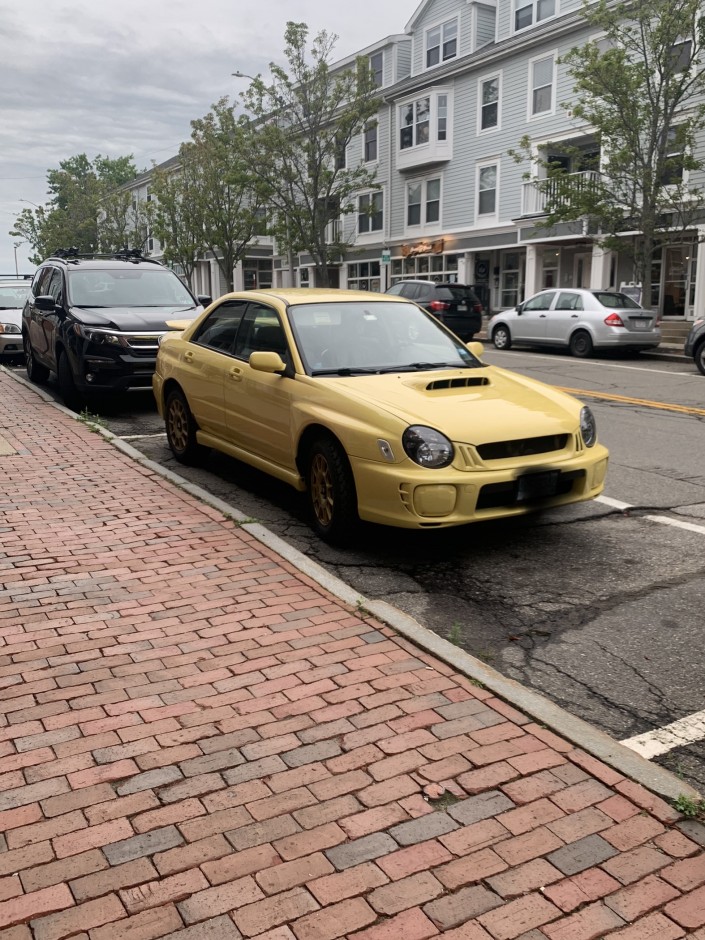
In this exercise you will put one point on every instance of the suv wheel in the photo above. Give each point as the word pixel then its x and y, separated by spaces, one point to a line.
pixel 73 399
pixel 36 372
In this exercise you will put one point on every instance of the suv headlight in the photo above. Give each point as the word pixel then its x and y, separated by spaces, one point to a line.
pixel 426 447
pixel 588 426
pixel 9 328
pixel 97 336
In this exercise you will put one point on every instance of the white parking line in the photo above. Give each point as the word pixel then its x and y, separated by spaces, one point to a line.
pixel 678 734
pixel 677 523
pixel 614 503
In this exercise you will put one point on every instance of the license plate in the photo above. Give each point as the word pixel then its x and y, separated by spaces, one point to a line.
pixel 641 324
pixel 537 485
pixel 462 308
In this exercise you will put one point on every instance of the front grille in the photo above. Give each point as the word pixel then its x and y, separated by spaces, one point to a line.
pixel 142 341
pixel 524 447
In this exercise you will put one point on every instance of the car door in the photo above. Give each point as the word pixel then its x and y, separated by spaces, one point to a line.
pixel 563 316
pixel 45 324
pixel 35 317
pixel 205 364
pixel 530 324
pixel 258 404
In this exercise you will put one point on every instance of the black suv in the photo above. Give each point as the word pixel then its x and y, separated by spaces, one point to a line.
pixel 455 305
pixel 96 320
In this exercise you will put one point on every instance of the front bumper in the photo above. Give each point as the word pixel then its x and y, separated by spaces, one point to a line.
pixel 401 496
pixel 11 345
pixel 105 374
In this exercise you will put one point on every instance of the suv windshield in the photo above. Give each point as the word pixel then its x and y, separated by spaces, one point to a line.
pixel 11 297
pixel 615 299
pixel 127 287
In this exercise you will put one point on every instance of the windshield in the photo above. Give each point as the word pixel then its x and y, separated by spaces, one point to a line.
pixel 12 297
pixel 341 338
pixel 128 287
pixel 616 299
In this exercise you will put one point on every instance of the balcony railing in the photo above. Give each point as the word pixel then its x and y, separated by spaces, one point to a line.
pixel 537 194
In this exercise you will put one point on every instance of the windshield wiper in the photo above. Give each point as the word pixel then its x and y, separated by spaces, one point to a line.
pixel 423 366
pixel 351 370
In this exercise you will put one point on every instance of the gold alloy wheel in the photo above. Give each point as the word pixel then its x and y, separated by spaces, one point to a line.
pixel 178 424
pixel 322 489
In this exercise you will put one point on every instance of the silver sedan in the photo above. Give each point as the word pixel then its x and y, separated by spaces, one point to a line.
pixel 581 320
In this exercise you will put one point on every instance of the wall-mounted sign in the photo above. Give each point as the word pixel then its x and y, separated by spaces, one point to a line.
pixel 386 256
pixel 482 270
pixel 422 248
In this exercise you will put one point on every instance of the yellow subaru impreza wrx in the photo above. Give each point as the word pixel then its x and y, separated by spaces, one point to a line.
pixel 375 410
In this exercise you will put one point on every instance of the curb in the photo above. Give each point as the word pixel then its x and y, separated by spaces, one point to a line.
pixel 578 732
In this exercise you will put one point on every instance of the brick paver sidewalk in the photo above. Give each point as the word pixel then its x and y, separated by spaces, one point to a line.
pixel 196 740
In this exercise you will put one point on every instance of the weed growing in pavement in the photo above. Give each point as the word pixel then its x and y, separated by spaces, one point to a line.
pixel 445 800
pixel 690 806
pixel 455 636
pixel 87 418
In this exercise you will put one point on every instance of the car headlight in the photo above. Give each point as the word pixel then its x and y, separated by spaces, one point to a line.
pixel 588 426
pixel 9 328
pixel 97 336
pixel 426 447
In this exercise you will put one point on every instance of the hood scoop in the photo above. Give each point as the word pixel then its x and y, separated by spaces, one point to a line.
pixel 464 382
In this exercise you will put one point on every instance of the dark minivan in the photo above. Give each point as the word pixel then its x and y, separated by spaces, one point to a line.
pixel 96 321
pixel 457 306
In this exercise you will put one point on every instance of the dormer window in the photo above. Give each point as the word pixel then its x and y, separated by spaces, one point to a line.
pixel 441 43
pixel 529 12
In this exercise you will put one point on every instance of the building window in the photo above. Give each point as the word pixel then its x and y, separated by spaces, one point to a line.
pixel 370 213
pixel 423 202
pixel 441 43
pixel 533 11
pixel 489 103
pixel 414 123
pixel 364 275
pixel 304 277
pixel 672 171
pixel 370 143
pixel 550 265
pixel 542 85
pixel 512 278
pixel 681 55
pixel 487 190
pixel 340 155
pixel 437 268
pixel 442 117
pixel 377 68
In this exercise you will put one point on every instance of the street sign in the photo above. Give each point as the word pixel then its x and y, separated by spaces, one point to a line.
pixel 386 257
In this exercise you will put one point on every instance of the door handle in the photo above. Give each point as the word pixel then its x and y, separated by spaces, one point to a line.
pixel 235 374
pixel 574 316
pixel 188 355
pixel 542 316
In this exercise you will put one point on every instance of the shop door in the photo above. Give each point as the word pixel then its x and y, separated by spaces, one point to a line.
pixel 582 269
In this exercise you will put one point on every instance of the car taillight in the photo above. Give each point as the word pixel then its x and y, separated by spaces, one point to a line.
pixel 477 308
pixel 439 305
pixel 614 319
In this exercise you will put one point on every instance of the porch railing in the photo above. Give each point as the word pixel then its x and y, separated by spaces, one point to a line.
pixel 537 194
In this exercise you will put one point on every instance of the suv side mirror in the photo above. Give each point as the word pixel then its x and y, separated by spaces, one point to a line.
pixel 204 300
pixel 45 302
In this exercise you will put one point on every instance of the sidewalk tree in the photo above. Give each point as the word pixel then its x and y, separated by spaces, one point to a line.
pixel 302 121
pixel 175 213
pixel 640 88
pixel 222 191
pixel 78 189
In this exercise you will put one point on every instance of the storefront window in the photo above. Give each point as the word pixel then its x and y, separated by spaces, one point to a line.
pixel 364 275
pixel 550 269
pixel 427 267
pixel 257 274
pixel 511 279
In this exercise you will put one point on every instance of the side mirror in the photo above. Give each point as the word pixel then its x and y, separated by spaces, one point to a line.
pixel 267 362
pixel 477 349
pixel 519 308
pixel 205 300
pixel 45 302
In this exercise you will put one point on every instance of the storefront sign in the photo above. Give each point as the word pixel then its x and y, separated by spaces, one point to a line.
pixel 386 256
pixel 422 248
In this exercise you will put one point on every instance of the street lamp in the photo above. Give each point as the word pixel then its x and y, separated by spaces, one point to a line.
pixel 16 246
pixel 30 203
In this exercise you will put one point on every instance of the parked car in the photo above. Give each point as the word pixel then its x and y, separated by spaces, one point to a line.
pixel 695 344
pixel 456 305
pixel 374 409
pixel 14 291
pixel 581 320
pixel 96 321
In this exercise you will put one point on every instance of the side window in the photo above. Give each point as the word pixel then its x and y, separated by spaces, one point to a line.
pixel 220 329
pixel 260 331
pixel 53 288
pixel 568 301
pixel 41 281
pixel 540 302
pixel 397 289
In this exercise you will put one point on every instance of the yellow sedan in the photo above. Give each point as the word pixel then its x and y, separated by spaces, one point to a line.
pixel 375 410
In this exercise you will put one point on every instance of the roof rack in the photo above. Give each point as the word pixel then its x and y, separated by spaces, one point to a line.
pixel 18 277
pixel 121 254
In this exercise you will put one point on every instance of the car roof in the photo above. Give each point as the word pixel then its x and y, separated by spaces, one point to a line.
pixel 104 264
pixel 310 295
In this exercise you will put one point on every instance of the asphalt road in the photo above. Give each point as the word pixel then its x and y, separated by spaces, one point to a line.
pixel 597 606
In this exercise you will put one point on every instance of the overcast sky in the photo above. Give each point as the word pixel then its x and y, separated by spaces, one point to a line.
pixel 99 77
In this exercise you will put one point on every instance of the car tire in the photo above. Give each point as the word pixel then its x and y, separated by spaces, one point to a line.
pixel 501 337
pixel 181 429
pixel 331 492
pixel 73 399
pixel 581 345
pixel 36 372
pixel 699 357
